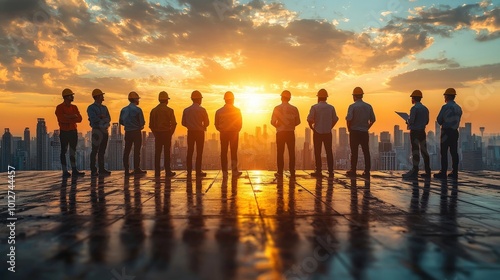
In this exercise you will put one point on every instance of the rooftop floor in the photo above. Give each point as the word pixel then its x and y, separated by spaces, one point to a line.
pixel 253 227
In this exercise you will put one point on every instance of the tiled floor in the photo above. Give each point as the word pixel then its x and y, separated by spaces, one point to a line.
pixel 253 227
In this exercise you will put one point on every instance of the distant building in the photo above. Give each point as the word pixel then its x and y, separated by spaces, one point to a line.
pixel 115 148
pixel 55 152
pixel 27 147
pixel 398 136
pixel 7 156
pixel 42 153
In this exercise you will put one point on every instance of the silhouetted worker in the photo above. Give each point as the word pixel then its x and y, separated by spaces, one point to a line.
pixel 162 123
pixel 449 119
pixel 285 118
pixel 132 118
pixel 195 118
pixel 99 121
pixel 322 118
pixel 419 118
pixel 229 122
pixel 360 118
pixel 67 117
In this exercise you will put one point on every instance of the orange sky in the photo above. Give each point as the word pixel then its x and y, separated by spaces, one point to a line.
pixel 255 49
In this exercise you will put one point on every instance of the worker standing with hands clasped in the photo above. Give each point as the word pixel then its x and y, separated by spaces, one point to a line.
pixel 132 118
pixel 99 121
pixel 228 121
pixel 419 118
pixel 449 119
pixel 162 123
pixel 195 118
pixel 360 118
pixel 285 118
pixel 322 118
pixel 68 116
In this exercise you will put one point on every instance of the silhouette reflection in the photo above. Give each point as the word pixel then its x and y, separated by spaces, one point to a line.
pixel 70 221
pixel 418 226
pixel 132 232
pixel 448 223
pixel 325 243
pixel 163 230
pixel 194 234
pixel 359 248
pixel 286 233
pixel 99 236
pixel 227 235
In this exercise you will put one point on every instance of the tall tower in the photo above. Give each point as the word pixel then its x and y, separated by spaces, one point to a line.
pixel 41 145
pixel 6 150
pixel 115 148
pixel 398 136
pixel 27 147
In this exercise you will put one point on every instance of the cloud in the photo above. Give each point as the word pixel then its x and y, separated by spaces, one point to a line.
pixel 427 79
pixel 483 18
pixel 205 43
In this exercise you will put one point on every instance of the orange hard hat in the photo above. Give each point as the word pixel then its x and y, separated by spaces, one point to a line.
pixel 163 96
pixel 133 95
pixel 416 93
pixel 97 92
pixel 196 95
pixel 450 91
pixel 286 94
pixel 67 92
pixel 357 91
pixel 228 95
pixel 322 93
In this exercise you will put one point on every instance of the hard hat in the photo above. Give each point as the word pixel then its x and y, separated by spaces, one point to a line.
pixel 133 95
pixel 196 95
pixel 228 95
pixel 357 91
pixel 67 92
pixel 416 93
pixel 450 91
pixel 322 93
pixel 163 96
pixel 97 92
pixel 286 94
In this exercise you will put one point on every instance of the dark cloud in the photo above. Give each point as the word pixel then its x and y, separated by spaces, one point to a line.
pixel 450 63
pixel 443 19
pixel 441 79
pixel 30 10
pixel 232 43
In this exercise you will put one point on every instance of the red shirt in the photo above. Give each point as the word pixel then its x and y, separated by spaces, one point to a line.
pixel 67 124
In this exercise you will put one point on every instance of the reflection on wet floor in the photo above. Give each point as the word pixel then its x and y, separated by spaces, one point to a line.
pixel 255 227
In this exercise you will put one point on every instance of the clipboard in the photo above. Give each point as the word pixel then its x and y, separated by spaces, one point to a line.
pixel 403 115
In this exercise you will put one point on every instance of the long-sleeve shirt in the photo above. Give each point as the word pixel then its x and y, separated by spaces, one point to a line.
pixel 195 118
pixel 285 117
pixel 419 117
pixel 67 123
pixel 132 118
pixel 360 115
pixel 323 116
pixel 228 118
pixel 162 119
pixel 98 116
pixel 450 115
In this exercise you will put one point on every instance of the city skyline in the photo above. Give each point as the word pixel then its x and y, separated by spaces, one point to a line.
pixel 390 149
pixel 255 49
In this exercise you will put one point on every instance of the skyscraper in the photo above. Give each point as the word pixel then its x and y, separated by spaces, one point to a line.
pixel 115 148
pixel 54 152
pixel 27 147
pixel 6 159
pixel 41 145
pixel 398 136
